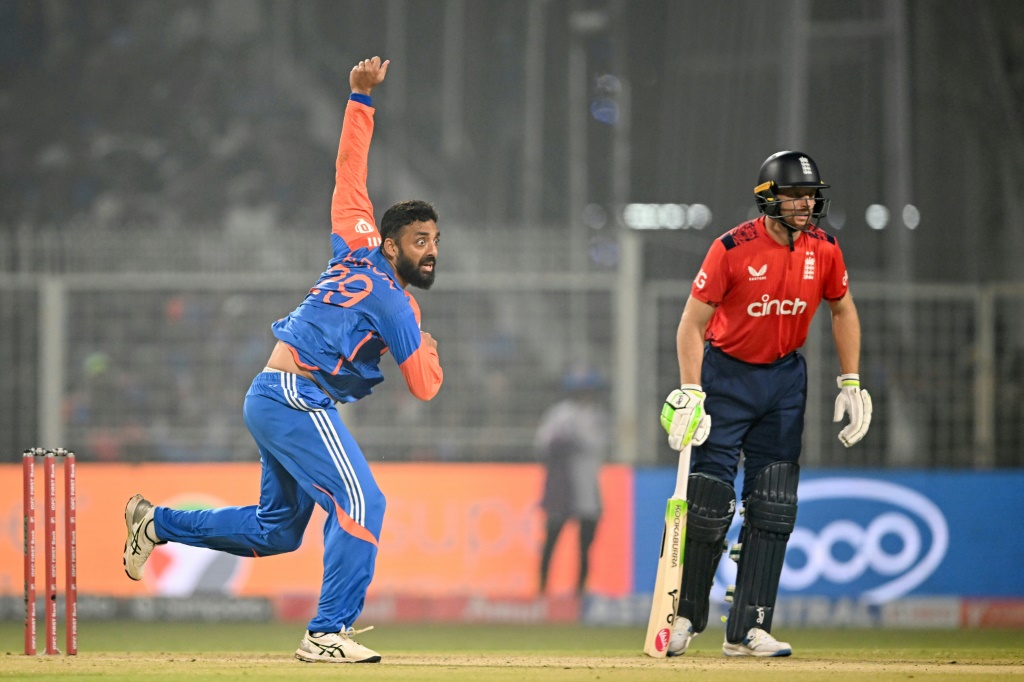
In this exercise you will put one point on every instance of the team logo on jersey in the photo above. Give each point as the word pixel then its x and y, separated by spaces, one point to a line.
pixel 805 166
pixel 809 265
pixel 363 227
pixel 773 306
pixel 701 279
pixel 756 275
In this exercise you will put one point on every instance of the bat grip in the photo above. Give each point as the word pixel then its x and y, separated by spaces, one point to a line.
pixel 683 472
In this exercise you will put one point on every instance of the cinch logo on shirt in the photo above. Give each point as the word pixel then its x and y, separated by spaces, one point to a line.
pixel 773 306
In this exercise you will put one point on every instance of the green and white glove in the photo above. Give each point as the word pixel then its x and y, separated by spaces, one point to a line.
pixel 684 418
pixel 855 402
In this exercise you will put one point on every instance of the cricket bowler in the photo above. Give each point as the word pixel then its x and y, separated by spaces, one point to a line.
pixel 328 351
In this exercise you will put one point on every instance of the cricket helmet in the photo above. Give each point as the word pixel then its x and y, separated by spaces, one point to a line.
pixel 788 169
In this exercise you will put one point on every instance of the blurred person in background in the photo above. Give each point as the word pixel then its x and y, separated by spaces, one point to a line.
pixel 328 351
pixel 749 310
pixel 572 441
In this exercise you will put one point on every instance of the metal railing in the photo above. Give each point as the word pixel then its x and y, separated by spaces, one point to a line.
pixel 944 364
pixel 155 366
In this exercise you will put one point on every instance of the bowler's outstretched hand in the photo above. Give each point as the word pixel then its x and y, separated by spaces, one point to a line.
pixel 367 74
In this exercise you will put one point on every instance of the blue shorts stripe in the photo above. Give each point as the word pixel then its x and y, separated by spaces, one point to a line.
pixel 334 447
pixel 332 443
pixel 358 500
pixel 291 390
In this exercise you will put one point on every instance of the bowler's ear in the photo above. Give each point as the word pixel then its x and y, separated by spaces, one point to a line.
pixel 390 248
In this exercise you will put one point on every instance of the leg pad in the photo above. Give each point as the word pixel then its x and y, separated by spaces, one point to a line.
pixel 712 505
pixel 770 515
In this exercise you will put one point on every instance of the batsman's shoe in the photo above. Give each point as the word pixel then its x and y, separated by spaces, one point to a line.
pixel 138 518
pixel 679 641
pixel 335 647
pixel 757 643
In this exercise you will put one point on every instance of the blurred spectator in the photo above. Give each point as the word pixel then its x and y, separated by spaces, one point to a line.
pixel 109 405
pixel 572 441
pixel 96 128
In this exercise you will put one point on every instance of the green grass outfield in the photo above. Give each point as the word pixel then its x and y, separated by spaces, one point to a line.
pixel 451 653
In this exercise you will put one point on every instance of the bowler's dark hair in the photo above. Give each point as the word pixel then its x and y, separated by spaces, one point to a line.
pixel 404 213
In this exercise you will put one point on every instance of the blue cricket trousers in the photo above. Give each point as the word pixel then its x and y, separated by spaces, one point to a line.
pixel 756 409
pixel 307 456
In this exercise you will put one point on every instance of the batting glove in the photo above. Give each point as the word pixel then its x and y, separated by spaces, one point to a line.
pixel 855 402
pixel 684 418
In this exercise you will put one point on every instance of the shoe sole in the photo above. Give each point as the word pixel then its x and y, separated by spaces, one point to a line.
pixel 319 659
pixel 129 512
pixel 756 654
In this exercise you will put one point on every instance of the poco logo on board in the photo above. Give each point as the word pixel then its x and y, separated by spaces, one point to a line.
pixel 856 537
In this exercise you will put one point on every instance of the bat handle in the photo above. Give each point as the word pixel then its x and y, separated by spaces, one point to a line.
pixel 683 472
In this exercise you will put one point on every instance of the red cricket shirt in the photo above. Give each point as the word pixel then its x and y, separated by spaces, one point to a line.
pixel 764 294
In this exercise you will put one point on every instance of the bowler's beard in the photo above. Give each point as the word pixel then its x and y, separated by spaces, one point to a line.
pixel 412 273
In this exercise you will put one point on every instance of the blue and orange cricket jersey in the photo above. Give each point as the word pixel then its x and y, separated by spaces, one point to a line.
pixel 357 311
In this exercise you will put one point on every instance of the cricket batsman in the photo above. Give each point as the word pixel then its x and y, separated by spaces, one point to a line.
pixel 744 389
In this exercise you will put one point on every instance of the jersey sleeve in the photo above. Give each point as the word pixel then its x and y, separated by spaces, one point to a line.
pixel 837 283
pixel 352 223
pixel 711 282
pixel 419 362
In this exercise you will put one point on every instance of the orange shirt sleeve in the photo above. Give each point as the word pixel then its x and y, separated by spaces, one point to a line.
pixel 351 210
pixel 422 372
pixel 422 369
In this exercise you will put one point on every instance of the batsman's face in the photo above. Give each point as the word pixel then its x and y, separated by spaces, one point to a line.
pixel 416 258
pixel 796 205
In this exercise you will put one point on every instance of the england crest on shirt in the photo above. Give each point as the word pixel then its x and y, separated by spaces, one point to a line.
pixel 809 265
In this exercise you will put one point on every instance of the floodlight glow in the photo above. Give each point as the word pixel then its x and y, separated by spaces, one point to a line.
pixel 699 216
pixel 666 216
pixel 671 216
pixel 877 216
pixel 911 216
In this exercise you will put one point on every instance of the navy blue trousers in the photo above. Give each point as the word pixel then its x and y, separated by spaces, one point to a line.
pixel 755 409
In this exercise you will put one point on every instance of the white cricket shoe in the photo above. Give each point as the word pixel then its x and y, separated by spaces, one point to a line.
pixel 138 518
pixel 682 633
pixel 335 647
pixel 757 643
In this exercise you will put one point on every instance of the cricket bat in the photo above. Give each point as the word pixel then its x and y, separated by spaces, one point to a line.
pixel 670 565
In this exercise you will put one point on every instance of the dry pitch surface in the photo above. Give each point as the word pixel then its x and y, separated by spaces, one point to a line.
pixel 165 651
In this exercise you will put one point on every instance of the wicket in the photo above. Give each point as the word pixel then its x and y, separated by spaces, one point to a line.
pixel 28 464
